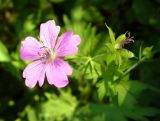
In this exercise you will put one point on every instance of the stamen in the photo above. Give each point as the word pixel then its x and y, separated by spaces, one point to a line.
pixel 46 54
pixel 127 40
pixel 43 53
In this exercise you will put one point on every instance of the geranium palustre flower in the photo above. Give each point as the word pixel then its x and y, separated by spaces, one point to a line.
pixel 47 56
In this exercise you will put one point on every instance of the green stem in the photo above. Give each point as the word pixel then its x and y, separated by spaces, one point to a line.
pixel 100 55
pixel 130 69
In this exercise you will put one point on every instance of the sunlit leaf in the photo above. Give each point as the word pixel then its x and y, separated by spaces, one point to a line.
pixel 57 108
pixel 118 59
pixel 119 39
pixel 31 114
pixel 4 56
pixel 126 53
pixel 101 89
pixel 110 47
pixel 111 34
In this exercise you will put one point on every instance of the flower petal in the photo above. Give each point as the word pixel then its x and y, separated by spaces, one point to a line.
pixel 64 66
pixel 30 83
pixel 34 72
pixel 67 44
pixel 48 33
pixel 56 75
pixel 29 49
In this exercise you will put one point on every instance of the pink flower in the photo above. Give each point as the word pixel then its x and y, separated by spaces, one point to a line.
pixel 47 56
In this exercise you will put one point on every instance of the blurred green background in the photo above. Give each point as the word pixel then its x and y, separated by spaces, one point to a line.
pixel 78 101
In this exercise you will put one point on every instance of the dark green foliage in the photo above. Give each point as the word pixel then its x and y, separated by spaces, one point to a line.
pixel 112 81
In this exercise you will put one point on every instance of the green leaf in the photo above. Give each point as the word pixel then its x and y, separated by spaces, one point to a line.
pixel 134 115
pixel 128 91
pixel 147 111
pixel 126 53
pixel 57 107
pixel 123 95
pixel 147 52
pixel 110 57
pixel 111 34
pixel 31 114
pixel 99 112
pixel 108 73
pixel 120 38
pixel 110 47
pixel 108 77
pixel 141 113
pixel 101 89
pixel 118 59
pixel 4 56
pixel 89 39
pixel 127 63
pixel 112 112
pixel 92 14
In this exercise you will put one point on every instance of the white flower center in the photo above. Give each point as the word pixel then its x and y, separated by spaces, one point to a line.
pixel 46 54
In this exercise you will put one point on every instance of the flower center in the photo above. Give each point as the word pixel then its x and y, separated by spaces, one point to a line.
pixel 52 55
pixel 46 54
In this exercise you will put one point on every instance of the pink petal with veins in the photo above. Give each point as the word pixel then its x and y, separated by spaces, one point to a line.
pixel 34 72
pixel 48 33
pixel 67 44
pixel 56 74
pixel 29 49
